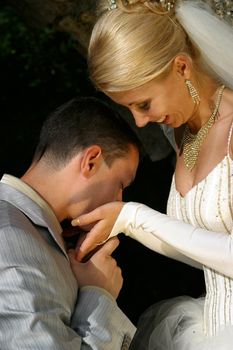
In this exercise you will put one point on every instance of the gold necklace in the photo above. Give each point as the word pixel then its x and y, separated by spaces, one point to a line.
pixel 192 142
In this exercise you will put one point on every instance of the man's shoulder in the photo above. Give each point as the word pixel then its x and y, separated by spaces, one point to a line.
pixel 11 216
pixel 19 234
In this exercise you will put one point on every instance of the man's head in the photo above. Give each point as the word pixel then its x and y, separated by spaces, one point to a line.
pixel 80 123
pixel 86 155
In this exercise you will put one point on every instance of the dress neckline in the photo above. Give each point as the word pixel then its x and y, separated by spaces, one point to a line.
pixel 199 182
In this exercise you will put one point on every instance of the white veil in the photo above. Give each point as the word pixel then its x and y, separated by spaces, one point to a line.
pixel 212 35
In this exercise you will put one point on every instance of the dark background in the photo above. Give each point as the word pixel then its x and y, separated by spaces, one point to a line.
pixel 39 70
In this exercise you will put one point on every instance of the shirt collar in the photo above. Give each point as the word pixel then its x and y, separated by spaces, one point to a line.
pixel 21 186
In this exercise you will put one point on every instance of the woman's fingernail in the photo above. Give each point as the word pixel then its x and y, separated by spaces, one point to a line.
pixel 75 222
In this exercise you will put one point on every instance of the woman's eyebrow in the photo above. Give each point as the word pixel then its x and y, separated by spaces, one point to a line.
pixel 138 102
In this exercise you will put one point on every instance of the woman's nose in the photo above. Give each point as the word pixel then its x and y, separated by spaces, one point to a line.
pixel 119 196
pixel 141 120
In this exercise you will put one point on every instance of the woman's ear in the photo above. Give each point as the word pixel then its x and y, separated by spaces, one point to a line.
pixel 91 160
pixel 182 66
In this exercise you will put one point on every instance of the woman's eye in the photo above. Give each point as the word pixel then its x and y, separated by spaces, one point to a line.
pixel 144 106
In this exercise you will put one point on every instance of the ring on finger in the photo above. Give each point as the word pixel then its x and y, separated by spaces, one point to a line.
pixel 102 242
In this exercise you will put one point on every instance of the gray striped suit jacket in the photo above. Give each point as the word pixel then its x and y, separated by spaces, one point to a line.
pixel 39 308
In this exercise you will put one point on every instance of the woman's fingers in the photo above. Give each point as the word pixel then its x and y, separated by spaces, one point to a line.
pixel 102 219
pixel 87 219
pixel 106 211
pixel 97 236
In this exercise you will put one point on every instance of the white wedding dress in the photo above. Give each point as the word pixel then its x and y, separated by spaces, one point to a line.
pixel 197 231
pixel 185 323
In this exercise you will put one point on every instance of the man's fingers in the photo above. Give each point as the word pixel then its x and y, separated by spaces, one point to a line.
pixel 105 250
pixel 94 238
pixel 71 253
pixel 72 256
pixel 110 246
pixel 86 247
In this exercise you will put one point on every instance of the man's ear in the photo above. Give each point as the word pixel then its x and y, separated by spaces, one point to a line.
pixel 182 66
pixel 91 160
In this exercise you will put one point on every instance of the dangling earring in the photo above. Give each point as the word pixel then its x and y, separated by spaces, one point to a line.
pixel 192 91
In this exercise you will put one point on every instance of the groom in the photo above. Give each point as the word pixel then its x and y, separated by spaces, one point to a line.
pixel 85 157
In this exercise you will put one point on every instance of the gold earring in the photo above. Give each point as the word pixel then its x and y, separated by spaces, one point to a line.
pixel 192 91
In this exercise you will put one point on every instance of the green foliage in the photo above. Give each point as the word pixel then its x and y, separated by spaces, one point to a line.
pixel 39 70
pixel 39 58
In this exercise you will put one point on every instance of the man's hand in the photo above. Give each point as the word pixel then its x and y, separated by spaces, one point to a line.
pixel 100 270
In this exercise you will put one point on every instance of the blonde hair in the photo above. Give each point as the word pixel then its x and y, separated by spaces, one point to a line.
pixel 134 44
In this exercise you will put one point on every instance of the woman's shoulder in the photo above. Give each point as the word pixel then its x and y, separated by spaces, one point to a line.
pixel 228 101
pixel 227 117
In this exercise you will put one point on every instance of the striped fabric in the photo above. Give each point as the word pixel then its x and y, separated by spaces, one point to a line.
pixel 38 291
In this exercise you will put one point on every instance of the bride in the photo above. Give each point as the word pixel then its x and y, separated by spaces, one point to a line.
pixel 171 62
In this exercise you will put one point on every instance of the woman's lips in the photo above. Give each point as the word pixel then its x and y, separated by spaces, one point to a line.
pixel 164 120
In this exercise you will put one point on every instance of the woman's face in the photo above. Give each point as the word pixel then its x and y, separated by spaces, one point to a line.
pixel 164 101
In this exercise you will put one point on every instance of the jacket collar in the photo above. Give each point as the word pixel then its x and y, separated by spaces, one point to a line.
pixel 22 196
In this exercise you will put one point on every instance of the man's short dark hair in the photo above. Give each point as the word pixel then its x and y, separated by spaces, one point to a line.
pixel 80 123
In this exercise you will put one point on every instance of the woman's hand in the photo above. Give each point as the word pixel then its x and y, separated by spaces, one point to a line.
pixel 102 219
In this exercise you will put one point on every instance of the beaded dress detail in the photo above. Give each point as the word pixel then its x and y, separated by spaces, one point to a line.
pixel 209 205
pixel 204 323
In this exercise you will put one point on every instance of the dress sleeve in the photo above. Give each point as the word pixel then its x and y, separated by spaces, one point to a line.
pixel 175 238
